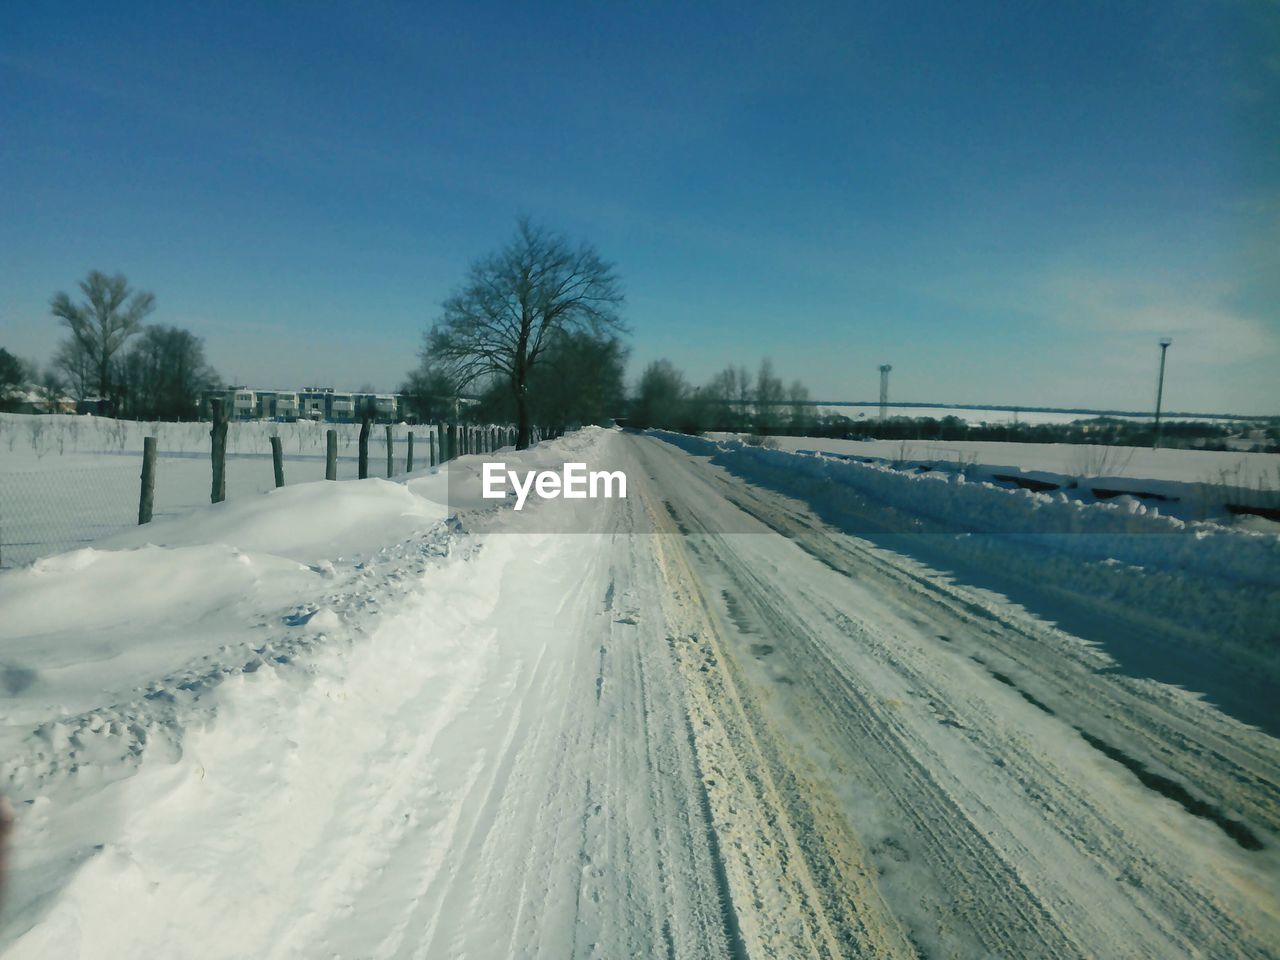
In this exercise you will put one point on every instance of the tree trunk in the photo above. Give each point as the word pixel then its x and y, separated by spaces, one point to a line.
pixel 365 422
pixel 523 435
pixel 218 453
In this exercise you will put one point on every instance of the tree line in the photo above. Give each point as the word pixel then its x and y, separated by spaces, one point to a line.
pixel 149 372
pixel 532 335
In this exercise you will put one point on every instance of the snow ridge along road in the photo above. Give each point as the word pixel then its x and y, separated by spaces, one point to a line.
pixel 649 738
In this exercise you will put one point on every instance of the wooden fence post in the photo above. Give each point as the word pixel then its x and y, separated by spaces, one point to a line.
pixel 147 497
pixel 390 463
pixel 453 441
pixel 432 446
pixel 218 451
pixel 277 460
pixel 408 460
pixel 442 444
pixel 365 423
pixel 331 455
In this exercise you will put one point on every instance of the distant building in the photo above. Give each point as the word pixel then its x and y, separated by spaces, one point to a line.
pixel 98 406
pixel 34 400
pixel 244 404
pixel 307 403
pixel 313 402
pixel 342 408
pixel 286 406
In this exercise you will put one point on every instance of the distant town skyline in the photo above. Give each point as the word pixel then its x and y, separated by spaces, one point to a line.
pixel 1009 204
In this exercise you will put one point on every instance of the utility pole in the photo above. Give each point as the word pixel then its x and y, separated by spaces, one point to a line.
pixel 884 391
pixel 1164 348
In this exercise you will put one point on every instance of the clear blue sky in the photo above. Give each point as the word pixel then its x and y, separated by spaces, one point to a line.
pixel 1009 202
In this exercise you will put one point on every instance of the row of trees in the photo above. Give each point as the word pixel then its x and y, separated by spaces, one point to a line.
pixel 532 335
pixel 149 372
pixel 732 401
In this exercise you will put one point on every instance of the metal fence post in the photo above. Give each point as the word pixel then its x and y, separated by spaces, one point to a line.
pixel 147 496
pixel 277 460
pixel 218 451
pixel 365 423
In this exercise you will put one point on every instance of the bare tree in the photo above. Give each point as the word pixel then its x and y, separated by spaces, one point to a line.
pixel 504 318
pixel 109 315
pixel 76 369
pixel 770 396
pixel 431 393
pixel 801 409
pixel 662 398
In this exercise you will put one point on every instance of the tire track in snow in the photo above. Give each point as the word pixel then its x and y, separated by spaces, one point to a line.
pixel 780 906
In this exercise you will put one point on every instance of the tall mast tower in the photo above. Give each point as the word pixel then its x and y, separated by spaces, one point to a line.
pixel 884 391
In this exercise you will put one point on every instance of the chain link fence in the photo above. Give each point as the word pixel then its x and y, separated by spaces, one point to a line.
pixel 66 482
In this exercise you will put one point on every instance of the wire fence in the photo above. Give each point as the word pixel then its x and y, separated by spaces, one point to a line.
pixel 65 485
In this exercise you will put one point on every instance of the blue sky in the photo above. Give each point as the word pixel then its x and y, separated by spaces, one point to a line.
pixel 1009 202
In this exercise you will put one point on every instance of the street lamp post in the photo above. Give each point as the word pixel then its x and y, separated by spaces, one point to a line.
pixel 1164 348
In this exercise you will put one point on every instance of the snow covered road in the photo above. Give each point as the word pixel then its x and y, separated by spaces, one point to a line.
pixel 652 738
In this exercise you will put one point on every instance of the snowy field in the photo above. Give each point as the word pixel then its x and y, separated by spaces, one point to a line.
pixel 768 705
pixel 974 415
pixel 66 481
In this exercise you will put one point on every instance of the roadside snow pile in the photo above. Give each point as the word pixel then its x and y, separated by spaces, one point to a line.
pixel 1188 484
pixel 1136 533
pixel 148 619
pixel 84 628
pixel 1215 583
pixel 305 522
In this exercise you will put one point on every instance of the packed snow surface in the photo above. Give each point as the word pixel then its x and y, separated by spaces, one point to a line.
pixel 769 705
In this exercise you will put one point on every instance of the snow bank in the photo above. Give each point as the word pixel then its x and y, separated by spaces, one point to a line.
pixel 306 522
pixel 1195 481
pixel 87 627
pixel 1216 584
